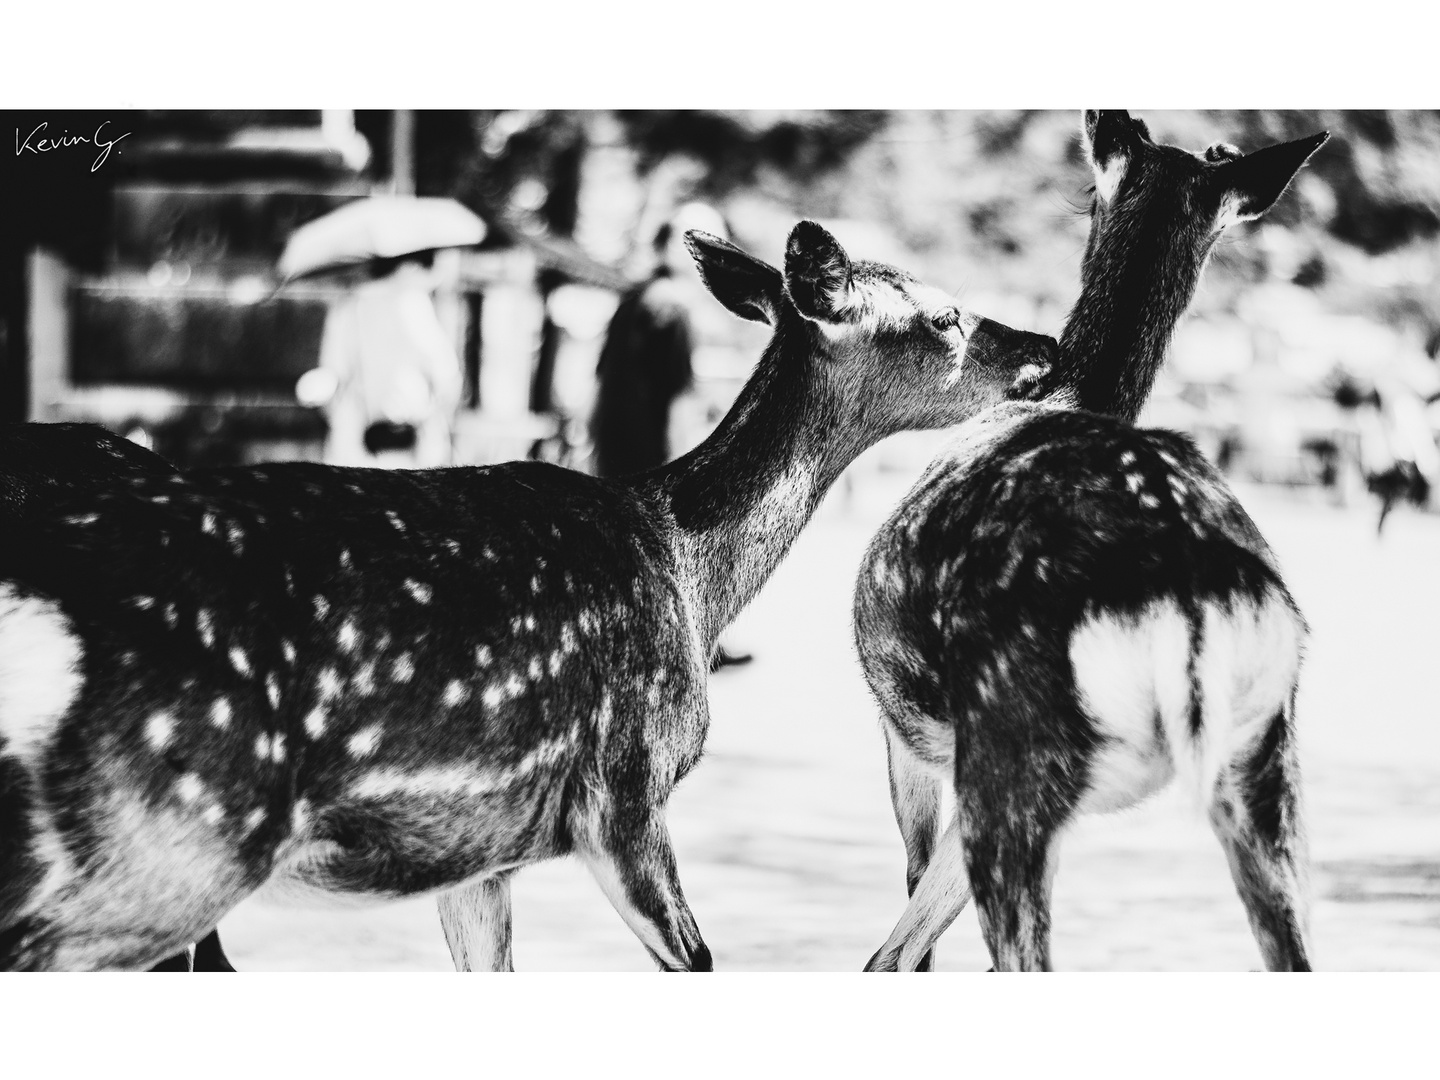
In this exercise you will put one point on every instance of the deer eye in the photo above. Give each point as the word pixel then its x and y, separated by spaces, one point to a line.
pixel 946 320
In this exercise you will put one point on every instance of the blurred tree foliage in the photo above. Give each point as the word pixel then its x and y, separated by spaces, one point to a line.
pixel 997 199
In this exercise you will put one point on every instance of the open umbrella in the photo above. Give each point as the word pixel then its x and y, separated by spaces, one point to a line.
pixel 380 227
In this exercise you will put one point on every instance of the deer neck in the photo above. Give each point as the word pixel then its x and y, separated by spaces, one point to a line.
pixel 738 501
pixel 1118 333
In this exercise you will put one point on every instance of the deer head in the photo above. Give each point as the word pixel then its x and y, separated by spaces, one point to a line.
pixel 1157 212
pixel 888 351
pixel 1218 186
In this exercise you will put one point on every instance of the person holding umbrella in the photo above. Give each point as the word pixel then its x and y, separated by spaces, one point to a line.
pixel 388 377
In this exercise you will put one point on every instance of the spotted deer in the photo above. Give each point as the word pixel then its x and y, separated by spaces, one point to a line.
pixel 1067 610
pixel 353 683
pixel 41 464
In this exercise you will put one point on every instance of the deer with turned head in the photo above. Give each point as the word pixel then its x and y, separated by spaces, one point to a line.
pixel 1067 610
pixel 367 684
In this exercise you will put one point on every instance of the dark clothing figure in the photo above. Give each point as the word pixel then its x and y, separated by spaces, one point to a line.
pixel 644 366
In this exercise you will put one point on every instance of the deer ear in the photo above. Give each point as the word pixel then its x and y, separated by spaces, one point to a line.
pixel 1252 184
pixel 748 287
pixel 818 275
pixel 1109 138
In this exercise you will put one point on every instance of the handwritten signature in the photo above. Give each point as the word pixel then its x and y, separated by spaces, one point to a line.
pixel 38 143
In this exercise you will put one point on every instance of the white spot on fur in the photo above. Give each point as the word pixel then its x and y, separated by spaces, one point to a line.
pixel 534 669
pixel 455 693
pixel 220 713
pixel 189 788
pixel 144 603
pixel 492 696
pixel 395 520
pixel 403 670
pixel 1150 502
pixel 272 691
pixel 1134 481
pixel 289 650
pixel 328 684
pixel 482 655
pixel 421 592
pixel 159 729
pixel 207 524
pixel 262 746
pixel 363 742
pixel 83 519
pixel 239 661
pixel 363 682
pixel 322 607
pixel 205 623
pixel 39 671
pixel 464 780
pixel 315 722
pixel 214 814
pixel 345 563
pixel 253 820
pixel 349 636
pixel 172 616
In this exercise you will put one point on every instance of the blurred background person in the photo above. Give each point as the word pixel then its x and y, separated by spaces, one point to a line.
pixel 389 378
pixel 645 364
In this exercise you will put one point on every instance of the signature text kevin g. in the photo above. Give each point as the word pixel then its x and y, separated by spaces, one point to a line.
pixel 41 141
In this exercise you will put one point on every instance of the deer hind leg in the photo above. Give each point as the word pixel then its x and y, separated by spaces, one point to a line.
pixel 149 882
pixel 915 797
pixel 935 901
pixel 1256 813
pixel 632 859
pixel 476 920
pixel 1010 814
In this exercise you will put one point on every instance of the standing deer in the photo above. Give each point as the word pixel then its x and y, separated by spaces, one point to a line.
pixel 42 464
pixel 370 684
pixel 1067 610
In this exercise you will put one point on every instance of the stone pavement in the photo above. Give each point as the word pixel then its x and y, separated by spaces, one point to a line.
pixel 791 860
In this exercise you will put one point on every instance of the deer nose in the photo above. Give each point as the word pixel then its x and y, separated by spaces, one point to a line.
pixel 999 344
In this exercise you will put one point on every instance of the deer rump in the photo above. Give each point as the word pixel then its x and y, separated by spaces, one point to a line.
pixel 1116 550
pixel 375 682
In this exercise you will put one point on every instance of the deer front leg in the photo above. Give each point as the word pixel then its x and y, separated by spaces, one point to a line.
pixel 915 797
pixel 632 859
pixel 935 901
pixel 476 920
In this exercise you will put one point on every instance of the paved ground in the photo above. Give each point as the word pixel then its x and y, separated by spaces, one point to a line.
pixel 791 860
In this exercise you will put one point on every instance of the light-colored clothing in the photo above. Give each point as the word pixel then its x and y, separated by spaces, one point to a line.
pixel 392 361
